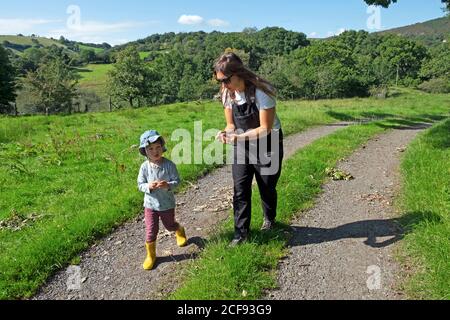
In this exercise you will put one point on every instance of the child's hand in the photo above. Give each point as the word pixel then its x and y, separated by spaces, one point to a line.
pixel 153 185
pixel 163 185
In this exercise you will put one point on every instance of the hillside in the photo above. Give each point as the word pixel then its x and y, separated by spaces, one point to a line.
pixel 430 32
pixel 19 43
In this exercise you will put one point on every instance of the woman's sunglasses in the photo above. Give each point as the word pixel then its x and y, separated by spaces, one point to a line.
pixel 226 80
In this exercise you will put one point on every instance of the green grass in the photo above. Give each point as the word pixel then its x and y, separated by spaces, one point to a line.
pixel 426 197
pixel 96 50
pixel 28 41
pixel 94 77
pixel 144 55
pixel 77 174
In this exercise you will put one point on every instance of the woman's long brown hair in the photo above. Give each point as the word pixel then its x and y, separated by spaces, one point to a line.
pixel 230 64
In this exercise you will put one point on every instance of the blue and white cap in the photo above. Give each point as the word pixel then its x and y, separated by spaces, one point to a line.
pixel 148 138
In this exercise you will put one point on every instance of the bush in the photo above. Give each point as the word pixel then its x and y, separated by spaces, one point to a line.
pixel 380 92
pixel 437 85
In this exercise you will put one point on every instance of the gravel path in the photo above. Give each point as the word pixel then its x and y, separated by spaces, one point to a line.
pixel 343 247
pixel 112 268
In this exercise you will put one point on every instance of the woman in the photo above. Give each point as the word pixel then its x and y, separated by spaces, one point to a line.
pixel 255 131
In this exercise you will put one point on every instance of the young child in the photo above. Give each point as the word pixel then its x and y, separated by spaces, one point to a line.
pixel 158 178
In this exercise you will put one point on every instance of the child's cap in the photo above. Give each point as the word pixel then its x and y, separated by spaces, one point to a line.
pixel 148 138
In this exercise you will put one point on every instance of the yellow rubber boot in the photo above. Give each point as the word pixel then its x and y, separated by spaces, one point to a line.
pixel 151 255
pixel 181 237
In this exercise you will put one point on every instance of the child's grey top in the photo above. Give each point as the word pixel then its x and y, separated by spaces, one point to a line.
pixel 158 200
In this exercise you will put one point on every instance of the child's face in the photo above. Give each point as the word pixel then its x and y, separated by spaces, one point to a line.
pixel 154 151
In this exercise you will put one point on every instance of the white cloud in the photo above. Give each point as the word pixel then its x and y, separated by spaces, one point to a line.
pixel 190 20
pixel 96 31
pixel 313 34
pixel 218 23
pixel 15 26
pixel 95 27
pixel 340 31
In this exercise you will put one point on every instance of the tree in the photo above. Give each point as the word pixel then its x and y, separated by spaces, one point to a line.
pixel 403 57
pixel 439 63
pixel 387 3
pixel 7 82
pixel 131 78
pixel 87 55
pixel 53 85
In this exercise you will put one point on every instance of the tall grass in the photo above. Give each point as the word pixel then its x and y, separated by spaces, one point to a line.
pixel 426 197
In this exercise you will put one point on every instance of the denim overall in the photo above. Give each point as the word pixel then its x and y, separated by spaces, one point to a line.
pixel 247 117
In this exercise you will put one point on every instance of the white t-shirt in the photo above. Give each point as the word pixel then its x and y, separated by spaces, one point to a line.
pixel 263 102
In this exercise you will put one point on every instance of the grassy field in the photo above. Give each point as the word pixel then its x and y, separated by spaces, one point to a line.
pixel 68 180
pixel 96 50
pixel 426 200
pixel 94 77
pixel 28 41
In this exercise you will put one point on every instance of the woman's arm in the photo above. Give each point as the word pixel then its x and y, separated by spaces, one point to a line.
pixel 230 128
pixel 267 120
pixel 229 118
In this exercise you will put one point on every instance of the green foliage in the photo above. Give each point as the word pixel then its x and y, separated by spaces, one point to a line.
pixel 7 82
pixel 131 79
pixel 346 66
pixel 383 3
pixel 387 3
pixel 53 85
pixel 438 64
pixel 436 85
pixel 184 61
pixel 87 55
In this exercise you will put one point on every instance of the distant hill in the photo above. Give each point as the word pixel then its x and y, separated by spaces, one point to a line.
pixel 20 43
pixel 430 32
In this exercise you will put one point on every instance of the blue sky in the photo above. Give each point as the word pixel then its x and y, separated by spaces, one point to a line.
pixel 122 21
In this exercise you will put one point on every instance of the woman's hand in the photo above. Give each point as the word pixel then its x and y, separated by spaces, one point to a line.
pixel 231 138
pixel 222 136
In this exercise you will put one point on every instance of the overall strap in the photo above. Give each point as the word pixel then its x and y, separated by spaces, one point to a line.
pixel 250 94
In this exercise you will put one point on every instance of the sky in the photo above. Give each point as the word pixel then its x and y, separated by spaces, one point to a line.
pixel 118 22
